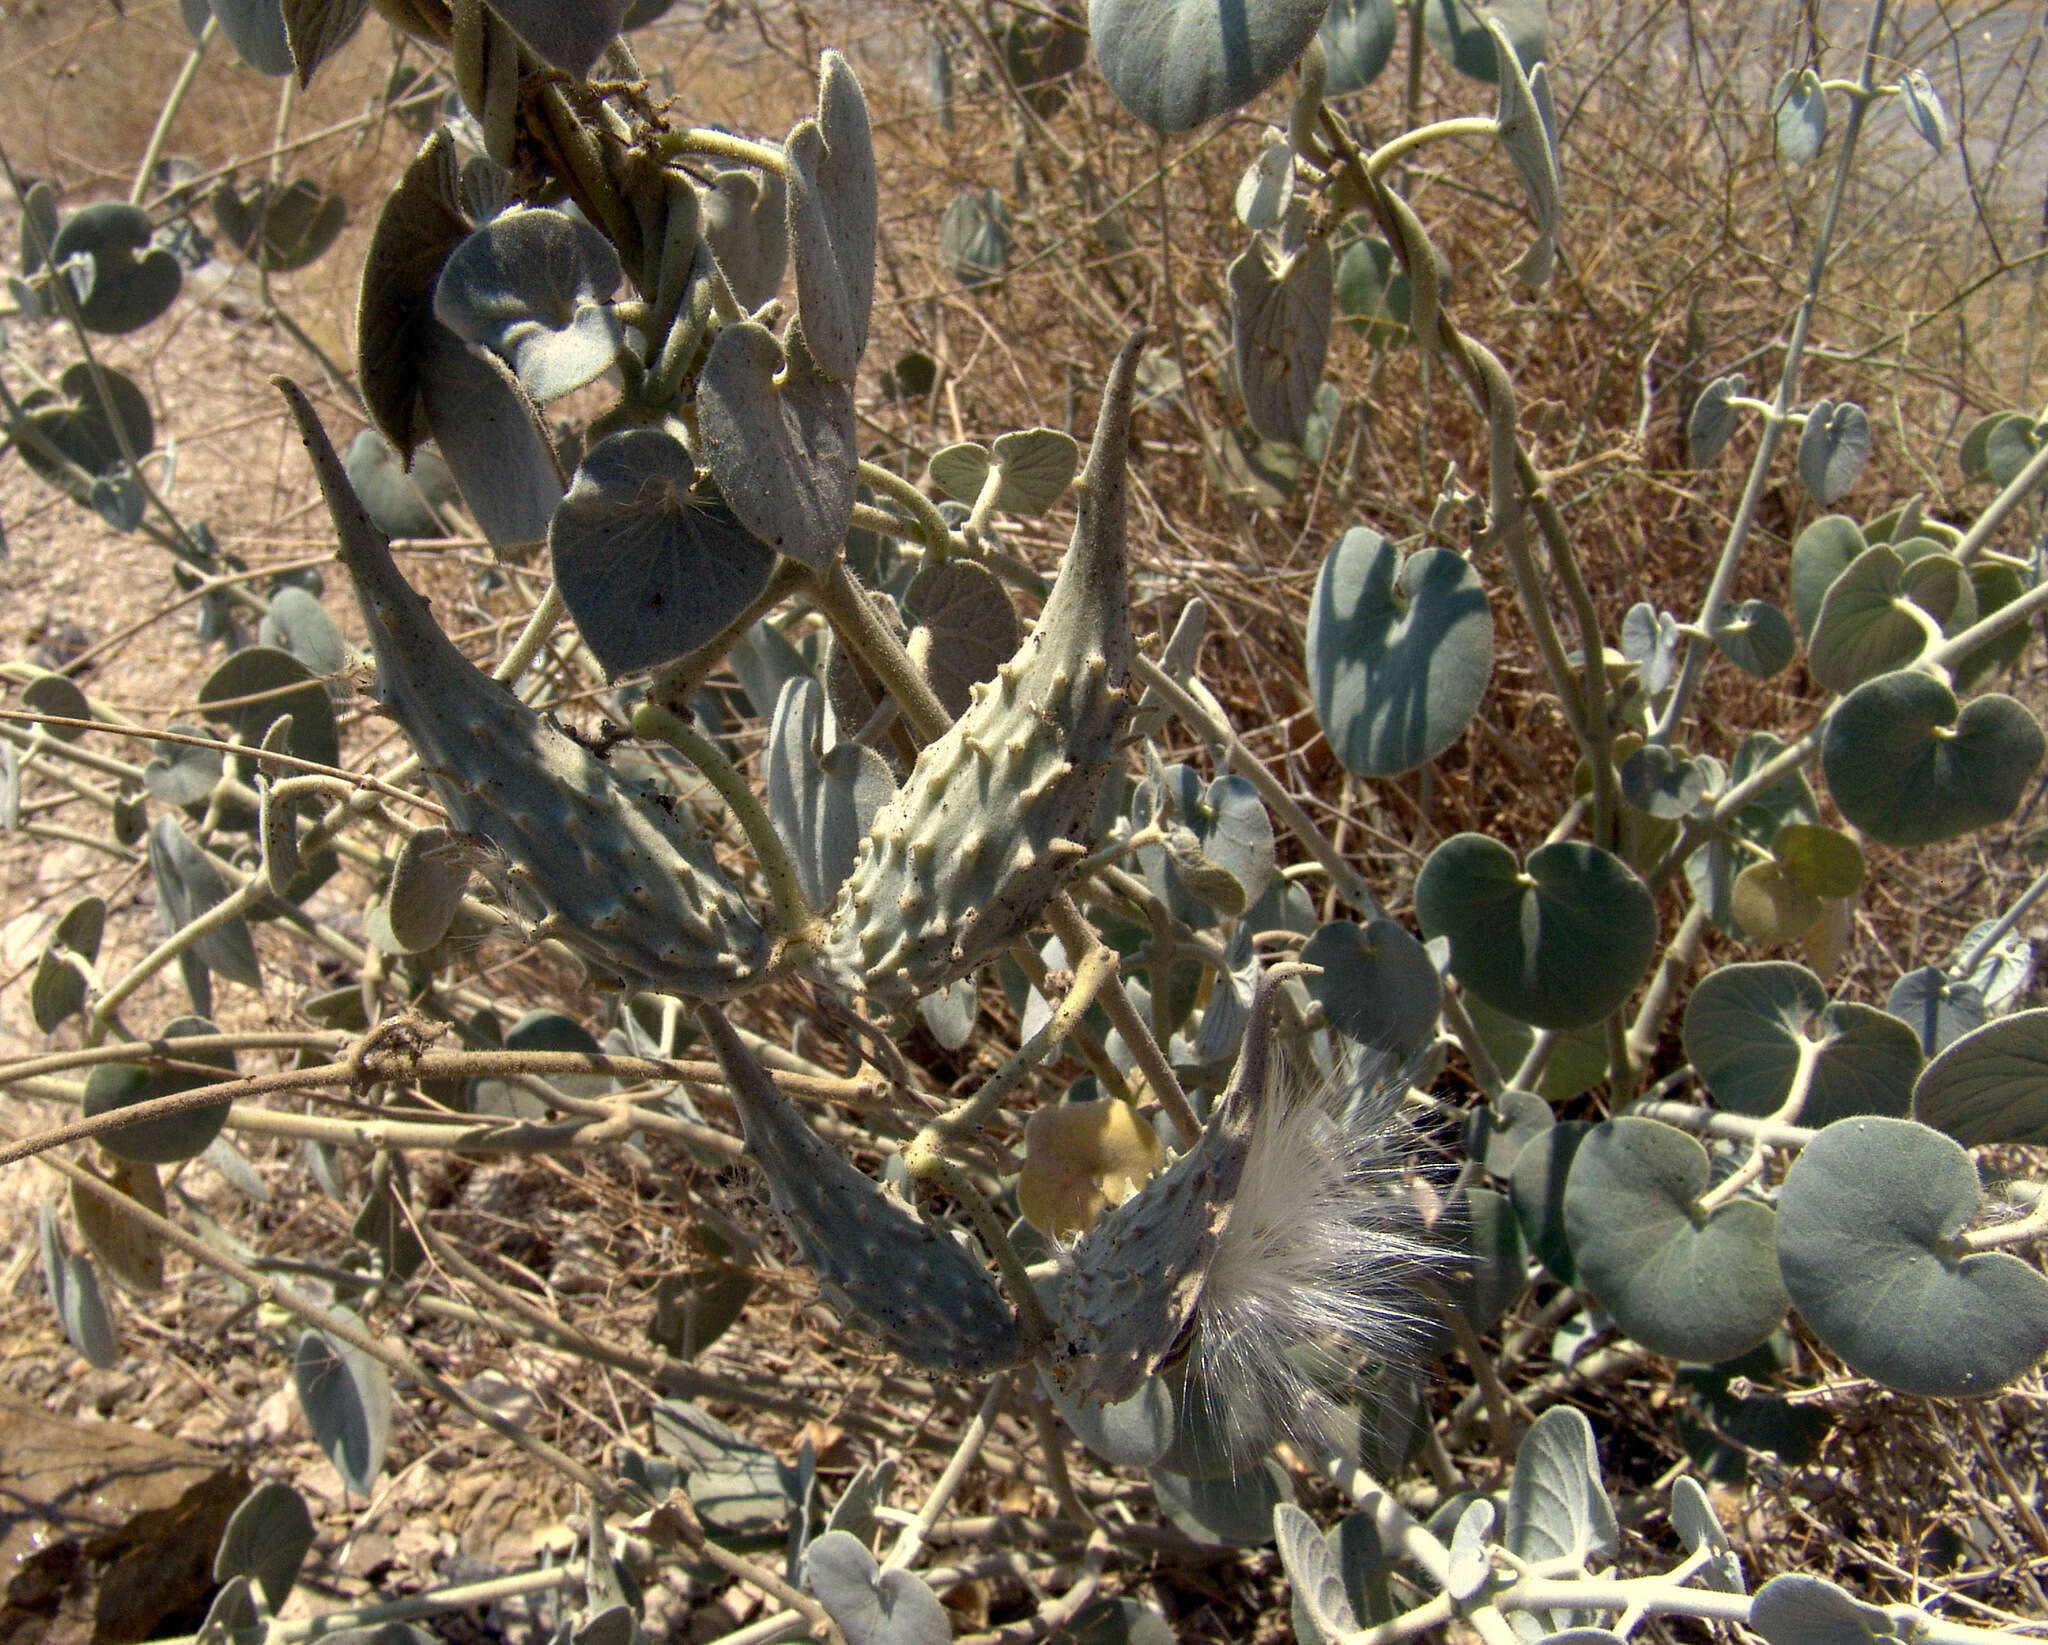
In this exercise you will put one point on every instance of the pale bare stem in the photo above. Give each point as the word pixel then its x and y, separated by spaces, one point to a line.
pixel 853 619
pixel 1493 1392
pixel 2024 484
pixel 923 1159
pixel 1486 1072
pixel 460 1596
pixel 1968 959
pixel 931 524
pixel 390 1354
pixel 1078 937
pixel 910 1541
pixel 793 915
pixel 2031 1227
pixel 1052 1447
pixel 1777 420
pixel 1091 972
pixel 1087 1045
pixel 1399 1529
pixel 1803 1070
pixel 1680 956
pixel 169 112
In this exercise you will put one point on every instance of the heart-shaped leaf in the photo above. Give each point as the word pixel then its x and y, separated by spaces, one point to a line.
pixel 1661 782
pixel 830 164
pixel 255 28
pixel 1867 1225
pixel 746 224
pixel 188 884
pixel 650 566
pixel 569 34
pixel 1495 1134
pixel 64 971
pixel 1225 1510
pixel 267 1539
pixel 1755 636
pixel 1528 127
pixel 1358 39
pixel 1771 906
pixel 346 1396
pixel 1908 767
pixel 257 686
pixel 778 438
pixel 132 1254
pixel 1176 64
pixel 284 229
pixel 1713 421
pixel 1374 292
pixel 1457 28
pixel 75 421
pixel 1280 311
pixel 1799 111
pixel 401 503
pixel 171 1137
pixel 494 441
pixel 1693 1286
pixel 75 1294
pixel 1833 447
pixel 1699 1528
pixel 125 291
pixel 1823 860
pixel 1537 1188
pixel 1939 1009
pixel 873 1606
pixel 1267 187
pixel 428 881
pixel 974 236
pixel 1744 1027
pixel 2011 444
pixel 1557 1507
pixel 1991 1084
pixel 315 30
pixel 1823 551
pixel 822 801
pixel 420 224
pixel 1923 108
pixel 1219 847
pixel 1868 622
pixel 1807 1610
pixel 1378 985
pixel 1399 652
pixel 298 623
pixel 1558 945
pixel 968 625
pixel 534 286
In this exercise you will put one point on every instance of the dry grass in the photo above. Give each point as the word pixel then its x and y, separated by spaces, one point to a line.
pixel 1685 247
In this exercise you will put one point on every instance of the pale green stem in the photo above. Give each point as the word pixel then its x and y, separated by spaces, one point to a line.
pixel 1078 937
pixel 846 606
pixel 795 916
pixel 932 527
pixel 169 112
pixel 1739 529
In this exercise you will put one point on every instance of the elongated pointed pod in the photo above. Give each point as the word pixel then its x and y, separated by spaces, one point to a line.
pixel 880 1264
pixel 605 869
pixel 996 812
pixel 1128 1302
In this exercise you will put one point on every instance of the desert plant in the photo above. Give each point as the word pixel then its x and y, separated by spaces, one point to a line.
pixel 923 793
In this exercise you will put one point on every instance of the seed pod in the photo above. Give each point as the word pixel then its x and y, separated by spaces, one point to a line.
pixel 1128 1303
pixel 996 812
pixel 879 1263
pixel 602 866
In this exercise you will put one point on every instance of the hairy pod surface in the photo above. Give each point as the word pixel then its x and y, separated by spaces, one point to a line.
pixel 608 872
pixel 996 812
pixel 880 1264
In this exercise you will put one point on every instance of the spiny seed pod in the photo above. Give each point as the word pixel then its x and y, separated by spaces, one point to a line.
pixel 996 812
pixel 602 867
pixel 879 1263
